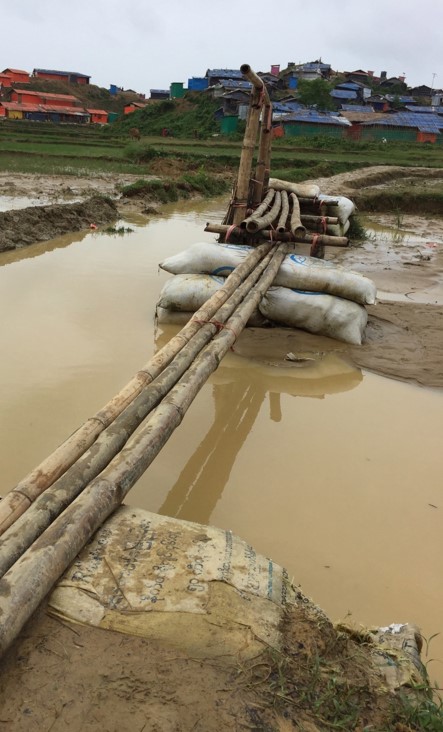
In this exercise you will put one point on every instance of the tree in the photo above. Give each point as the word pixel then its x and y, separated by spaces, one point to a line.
pixel 316 93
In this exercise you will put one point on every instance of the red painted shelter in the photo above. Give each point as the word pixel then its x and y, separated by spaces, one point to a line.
pixel 16 76
pixel 5 81
pixel 98 116
pixel 70 77
pixel 25 96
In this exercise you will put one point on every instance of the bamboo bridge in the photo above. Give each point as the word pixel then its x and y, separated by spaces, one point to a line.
pixel 49 516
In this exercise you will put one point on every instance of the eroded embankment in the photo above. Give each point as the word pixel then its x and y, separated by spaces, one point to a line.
pixel 41 223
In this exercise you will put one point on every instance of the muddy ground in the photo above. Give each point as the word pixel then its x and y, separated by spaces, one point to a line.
pixel 59 676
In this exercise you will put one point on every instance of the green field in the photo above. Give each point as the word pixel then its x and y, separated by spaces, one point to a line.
pixel 78 150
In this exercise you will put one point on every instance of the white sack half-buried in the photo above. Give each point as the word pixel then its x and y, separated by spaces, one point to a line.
pixel 315 312
pixel 297 271
pixel 183 294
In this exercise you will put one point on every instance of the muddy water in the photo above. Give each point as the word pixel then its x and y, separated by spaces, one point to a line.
pixel 334 473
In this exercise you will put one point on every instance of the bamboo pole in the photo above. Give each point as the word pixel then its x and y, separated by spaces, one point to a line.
pixel 296 226
pixel 262 168
pixel 28 581
pixel 312 201
pixel 325 239
pixel 261 209
pixel 281 225
pixel 265 138
pixel 57 497
pixel 26 491
pixel 318 220
pixel 249 143
pixel 256 223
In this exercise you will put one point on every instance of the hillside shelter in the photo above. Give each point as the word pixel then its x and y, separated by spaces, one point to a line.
pixel 70 77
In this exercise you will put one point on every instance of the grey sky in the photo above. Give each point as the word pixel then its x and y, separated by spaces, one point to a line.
pixel 143 45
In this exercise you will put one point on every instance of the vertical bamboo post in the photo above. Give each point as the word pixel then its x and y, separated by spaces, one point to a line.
pixel 264 150
pixel 249 143
pixel 262 170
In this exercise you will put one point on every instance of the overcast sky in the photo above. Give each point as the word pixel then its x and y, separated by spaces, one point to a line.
pixel 143 45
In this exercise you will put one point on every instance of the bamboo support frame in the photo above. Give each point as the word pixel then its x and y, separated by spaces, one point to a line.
pixel 29 488
pixel 296 226
pixel 261 209
pixel 266 234
pixel 315 220
pixel 281 225
pixel 256 223
pixel 28 581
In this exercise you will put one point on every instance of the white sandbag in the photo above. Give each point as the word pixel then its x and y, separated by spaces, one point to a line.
pixel 182 295
pixel 317 275
pixel 338 229
pixel 315 312
pixel 172 317
pixel 342 210
pixel 207 258
pixel 297 271
pixel 188 292
pixel 304 190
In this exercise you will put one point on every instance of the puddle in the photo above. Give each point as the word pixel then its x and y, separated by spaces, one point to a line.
pixel 334 473
pixel 14 203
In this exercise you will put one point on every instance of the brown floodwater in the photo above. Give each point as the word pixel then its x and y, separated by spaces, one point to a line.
pixel 334 473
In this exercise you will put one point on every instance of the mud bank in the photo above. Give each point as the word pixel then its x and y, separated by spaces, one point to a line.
pixel 41 223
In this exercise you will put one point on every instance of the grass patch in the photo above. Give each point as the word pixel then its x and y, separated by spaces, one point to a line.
pixel 167 190
pixel 119 230
pixel 326 679
pixel 401 201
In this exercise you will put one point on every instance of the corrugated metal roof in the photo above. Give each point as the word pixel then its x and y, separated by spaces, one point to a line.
pixel 47 95
pixel 343 94
pixel 60 73
pixel 429 122
pixel 349 85
pixel 236 84
pixel 356 108
pixel 312 116
pixel 225 73
pixel 96 111
pixel 403 99
pixel 15 71
pixel 364 116
pixel 15 107
pixel 425 110
pixel 73 111
pixel 287 107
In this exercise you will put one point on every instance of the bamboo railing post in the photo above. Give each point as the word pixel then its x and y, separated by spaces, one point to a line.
pixel 249 143
pixel 264 147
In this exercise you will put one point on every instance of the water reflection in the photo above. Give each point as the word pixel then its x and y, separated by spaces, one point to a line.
pixel 240 387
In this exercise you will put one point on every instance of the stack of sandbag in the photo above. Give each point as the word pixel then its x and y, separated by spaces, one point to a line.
pixel 308 293
pixel 314 203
